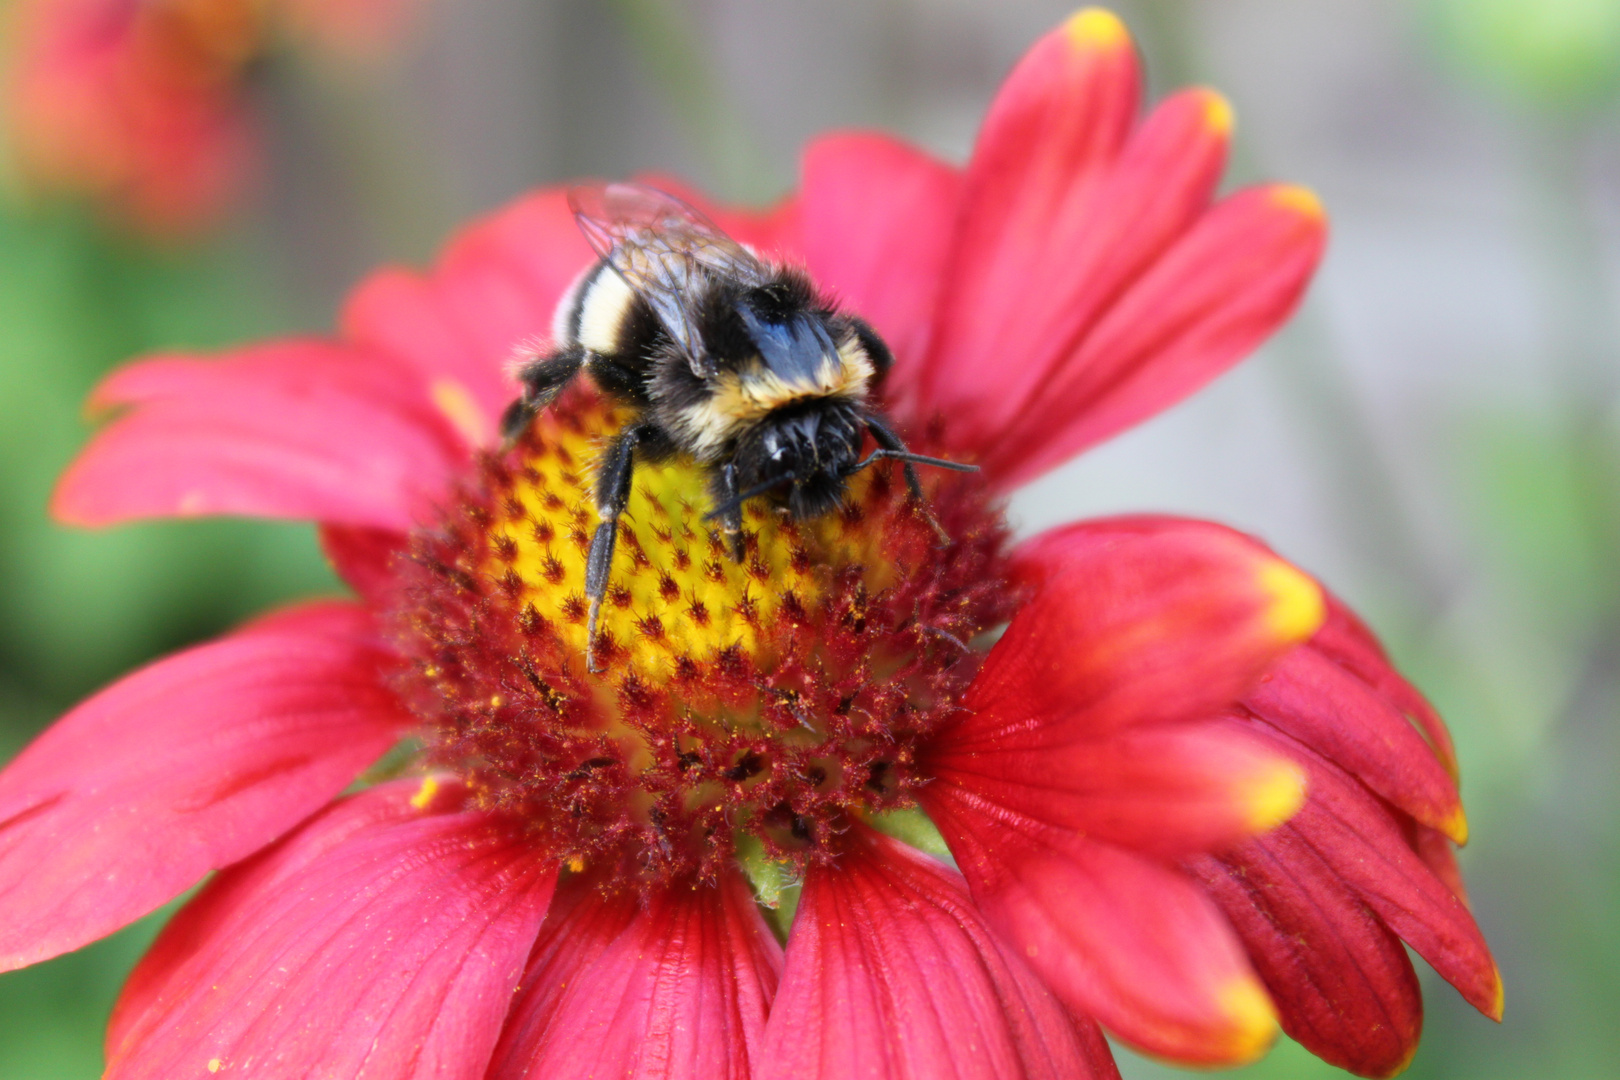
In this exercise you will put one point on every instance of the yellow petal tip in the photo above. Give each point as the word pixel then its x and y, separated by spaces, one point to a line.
pixel 1276 795
pixel 1096 28
pixel 426 793
pixel 1301 200
pixel 1297 608
pixel 1218 114
pixel 458 406
pixel 1497 1000
pixel 1254 1020
pixel 1456 827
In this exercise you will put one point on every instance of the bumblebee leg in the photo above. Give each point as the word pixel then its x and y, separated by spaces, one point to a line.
pixel 876 350
pixel 724 491
pixel 888 440
pixel 543 379
pixel 612 495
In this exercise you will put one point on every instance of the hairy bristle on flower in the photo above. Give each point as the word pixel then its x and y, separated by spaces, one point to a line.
pixel 775 696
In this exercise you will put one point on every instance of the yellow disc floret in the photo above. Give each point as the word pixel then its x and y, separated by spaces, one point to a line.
pixel 676 591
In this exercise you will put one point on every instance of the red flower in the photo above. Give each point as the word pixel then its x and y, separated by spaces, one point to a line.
pixel 140 104
pixel 1117 776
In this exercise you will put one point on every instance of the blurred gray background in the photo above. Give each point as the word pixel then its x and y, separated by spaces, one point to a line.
pixel 1435 434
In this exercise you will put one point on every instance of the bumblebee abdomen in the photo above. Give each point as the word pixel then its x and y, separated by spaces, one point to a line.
pixel 599 313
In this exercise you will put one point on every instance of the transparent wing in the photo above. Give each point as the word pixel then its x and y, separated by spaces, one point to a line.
pixel 660 246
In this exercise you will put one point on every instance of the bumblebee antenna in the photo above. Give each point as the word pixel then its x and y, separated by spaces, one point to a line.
pixel 911 459
pixel 737 500
pixel 890 448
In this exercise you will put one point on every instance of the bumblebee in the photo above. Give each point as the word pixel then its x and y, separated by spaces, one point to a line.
pixel 728 359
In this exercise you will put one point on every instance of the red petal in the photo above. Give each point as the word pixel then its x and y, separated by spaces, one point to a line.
pixel 1362 841
pixel 775 231
pixel 1204 305
pixel 1054 129
pixel 1340 978
pixel 490 297
pixel 404 316
pixel 1434 848
pixel 1029 302
pixel 1347 640
pixel 892 974
pixel 364 559
pixel 1133 621
pixel 1166 790
pixel 878 219
pixel 1115 936
pixel 674 988
pixel 182 768
pixel 292 429
pixel 1324 706
pixel 379 940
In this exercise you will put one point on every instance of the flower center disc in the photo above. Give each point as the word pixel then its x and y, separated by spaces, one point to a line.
pixel 770 697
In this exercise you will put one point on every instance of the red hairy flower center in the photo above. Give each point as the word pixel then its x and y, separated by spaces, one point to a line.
pixel 761 701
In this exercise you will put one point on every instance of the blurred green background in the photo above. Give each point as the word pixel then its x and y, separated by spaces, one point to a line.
pixel 1436 434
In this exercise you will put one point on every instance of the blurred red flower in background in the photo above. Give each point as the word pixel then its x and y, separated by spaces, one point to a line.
pixel 1187 793
pixel 142 105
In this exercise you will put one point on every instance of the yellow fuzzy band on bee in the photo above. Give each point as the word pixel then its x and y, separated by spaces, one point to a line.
pixel 740 399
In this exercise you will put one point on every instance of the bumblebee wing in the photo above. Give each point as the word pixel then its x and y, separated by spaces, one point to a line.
pixel 660 246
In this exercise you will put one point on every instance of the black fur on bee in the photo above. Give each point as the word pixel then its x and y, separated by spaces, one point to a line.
pixel 720 356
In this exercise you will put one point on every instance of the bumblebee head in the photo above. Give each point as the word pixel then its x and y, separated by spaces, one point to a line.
pixel 803 454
